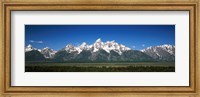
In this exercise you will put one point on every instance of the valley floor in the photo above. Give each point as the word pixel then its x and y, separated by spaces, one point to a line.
pixel 100 67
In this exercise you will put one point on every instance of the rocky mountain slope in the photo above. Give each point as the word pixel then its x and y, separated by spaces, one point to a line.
pixel 164 52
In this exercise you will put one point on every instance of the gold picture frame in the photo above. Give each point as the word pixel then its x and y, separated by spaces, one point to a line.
pixel 123 5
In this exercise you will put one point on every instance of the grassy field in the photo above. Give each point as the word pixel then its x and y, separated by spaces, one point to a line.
pixel 100 67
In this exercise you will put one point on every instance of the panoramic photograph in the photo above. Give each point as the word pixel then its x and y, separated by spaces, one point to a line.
pixel 99 48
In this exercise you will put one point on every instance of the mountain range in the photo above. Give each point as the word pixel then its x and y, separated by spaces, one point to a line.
pixel 99 51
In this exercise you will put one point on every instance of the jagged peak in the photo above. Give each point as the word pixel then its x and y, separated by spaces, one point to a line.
pixel 69 45
pixel 98 40
pixel 161 52
pixel 46 48
pixel 113 41
pixel 39 50
pixel 29 46
pixel 162 46
pixel 166 45
pixel 83 44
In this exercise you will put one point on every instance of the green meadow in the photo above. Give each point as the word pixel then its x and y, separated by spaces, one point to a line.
pixel 100 67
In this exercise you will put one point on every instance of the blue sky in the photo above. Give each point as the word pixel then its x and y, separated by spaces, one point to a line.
pixel 133 36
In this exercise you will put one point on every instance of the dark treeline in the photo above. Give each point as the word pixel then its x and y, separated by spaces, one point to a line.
pixel 99 69
pixel 51 61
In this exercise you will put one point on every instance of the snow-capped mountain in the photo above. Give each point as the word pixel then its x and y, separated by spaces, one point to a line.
pixel 163 52
pixel 98 45
pixel 48 53
pixel 70 48
pixel 169 48
pixel 101 51
pixel 112 45
pixel 29 48
pixel 83 46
